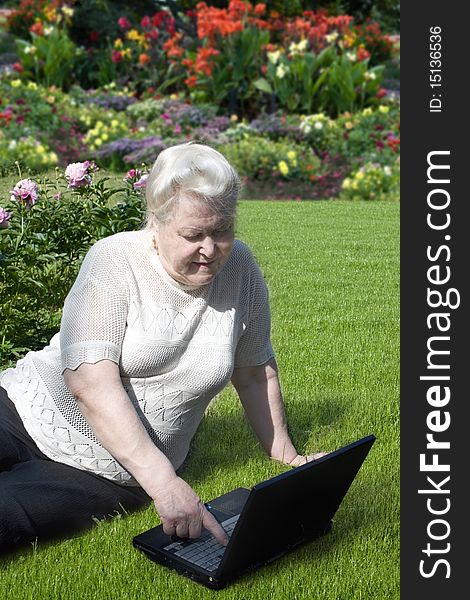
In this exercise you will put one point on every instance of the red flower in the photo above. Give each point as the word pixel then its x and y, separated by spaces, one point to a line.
pixel 146 22
pixel 18 67
pixel 381 93
pixel 144 59
pixel 124 23
pixel 116 56
pixel 93 36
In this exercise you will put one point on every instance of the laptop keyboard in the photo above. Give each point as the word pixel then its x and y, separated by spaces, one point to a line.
pixel 205 551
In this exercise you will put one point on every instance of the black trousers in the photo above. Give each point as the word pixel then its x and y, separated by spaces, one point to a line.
pixel 43 499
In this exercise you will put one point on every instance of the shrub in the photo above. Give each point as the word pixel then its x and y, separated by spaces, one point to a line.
pixel 258 158
pixel 45 230
pixel 372 182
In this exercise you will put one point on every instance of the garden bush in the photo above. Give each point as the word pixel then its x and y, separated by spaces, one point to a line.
pixel 45 230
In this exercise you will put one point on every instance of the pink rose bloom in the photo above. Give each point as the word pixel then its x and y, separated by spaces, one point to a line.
pixel 138 185
pixel 4 217
pixel 25 191
pixel 78 174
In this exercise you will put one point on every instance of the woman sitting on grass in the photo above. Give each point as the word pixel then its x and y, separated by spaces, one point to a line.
pixel 157 322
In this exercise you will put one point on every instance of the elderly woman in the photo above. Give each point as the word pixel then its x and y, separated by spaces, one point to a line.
pixel 156 324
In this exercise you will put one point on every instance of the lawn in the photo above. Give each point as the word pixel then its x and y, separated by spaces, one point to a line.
pixel 333 273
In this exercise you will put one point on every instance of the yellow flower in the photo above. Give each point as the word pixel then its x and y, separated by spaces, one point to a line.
pixel 98 142
pixel 359 175
pixel 367 111
pixel 50 13
pixel 354 185
pixel 50 99
pixel 291 155
pixel 104 137
pixel 53 158
pixel 114 123
pixel 384 109
pixel 346 184
pixel 32 85
pixel 15 83
pixel 68 12
pixel 283 167
pixel 40 149
pixel 234 118
pixel 348 125
pixel 118 43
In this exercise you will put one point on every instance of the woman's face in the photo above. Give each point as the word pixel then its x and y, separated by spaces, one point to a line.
pixel 195 244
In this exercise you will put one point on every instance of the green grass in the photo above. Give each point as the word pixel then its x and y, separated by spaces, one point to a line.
pixel 333 273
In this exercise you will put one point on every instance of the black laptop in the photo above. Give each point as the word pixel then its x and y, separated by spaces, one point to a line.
pixel 256 522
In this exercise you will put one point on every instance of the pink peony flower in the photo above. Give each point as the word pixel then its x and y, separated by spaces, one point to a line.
pixel 4 218
pixel 138 185
pixel 78 174
pixel 132 174
pixel 25 191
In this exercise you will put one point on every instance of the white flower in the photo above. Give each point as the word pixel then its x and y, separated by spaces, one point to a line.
pixel 331 37
pixel 387 171
pixel 273 57
pixel 298 48
pixel 318 125
pixel 281 71
pixel 351 56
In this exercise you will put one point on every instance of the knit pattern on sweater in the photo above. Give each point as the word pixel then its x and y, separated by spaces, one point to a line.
pixel 176 348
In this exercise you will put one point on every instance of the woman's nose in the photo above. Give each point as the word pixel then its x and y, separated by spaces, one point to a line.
pixel 208 247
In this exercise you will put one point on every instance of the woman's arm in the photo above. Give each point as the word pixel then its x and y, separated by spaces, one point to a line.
pixel 106 407
pixel 260 393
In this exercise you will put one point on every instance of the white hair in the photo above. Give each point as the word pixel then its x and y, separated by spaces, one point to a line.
pixel 193 171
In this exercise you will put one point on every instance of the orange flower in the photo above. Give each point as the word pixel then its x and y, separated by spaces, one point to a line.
pixel 37 28
pixel 203 62
pixel 172 48
pixel 144 59
pixel 362 54
pixel 191 81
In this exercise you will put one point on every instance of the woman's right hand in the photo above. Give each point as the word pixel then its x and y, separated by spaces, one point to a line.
pixel 182 512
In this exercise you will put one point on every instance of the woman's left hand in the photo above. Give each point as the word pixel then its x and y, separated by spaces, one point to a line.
pixel 302 460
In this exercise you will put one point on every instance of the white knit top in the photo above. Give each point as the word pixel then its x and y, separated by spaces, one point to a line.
pixel 176 347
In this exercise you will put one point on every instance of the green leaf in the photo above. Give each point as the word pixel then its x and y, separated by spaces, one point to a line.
pixel 263 85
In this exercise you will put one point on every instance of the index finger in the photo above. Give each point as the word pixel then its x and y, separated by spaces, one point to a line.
pixel 212 525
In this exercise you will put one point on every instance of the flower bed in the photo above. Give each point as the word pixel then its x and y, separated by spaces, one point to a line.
pixel 295 102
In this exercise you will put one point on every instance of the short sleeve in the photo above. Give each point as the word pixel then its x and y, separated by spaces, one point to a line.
pixel 254 346
pixel 95 310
